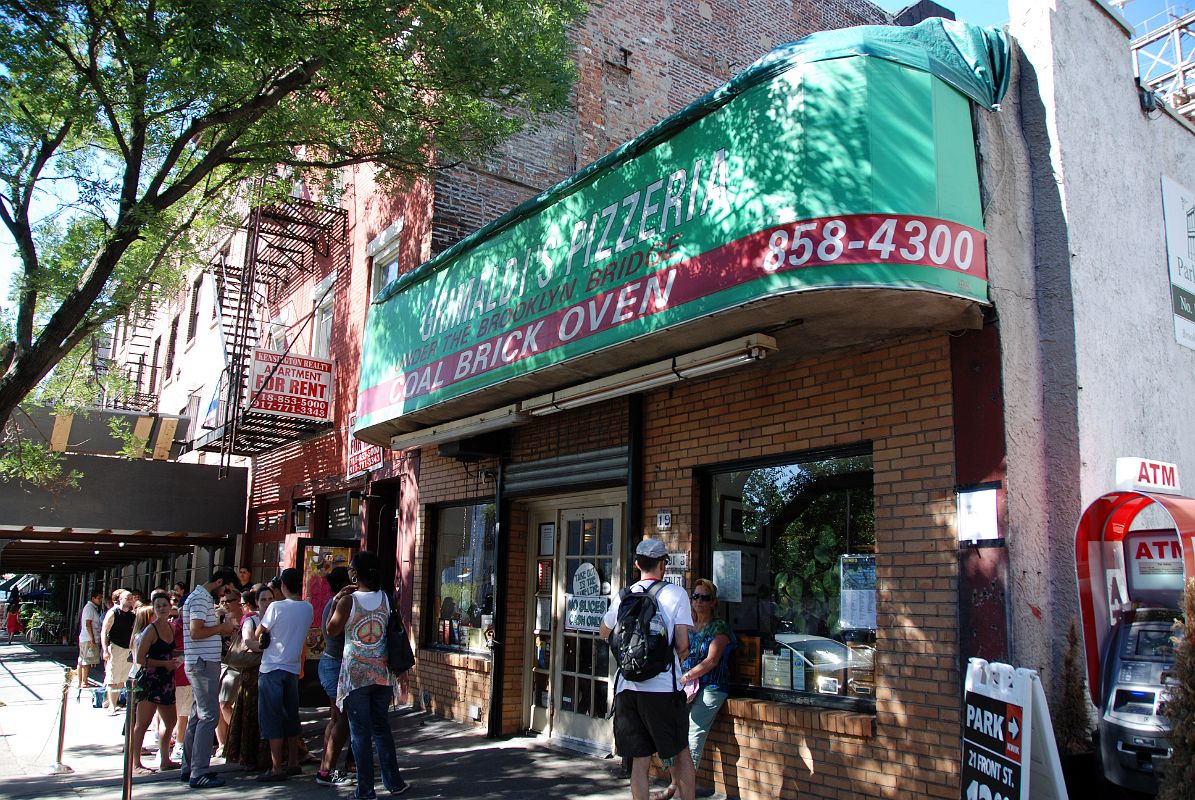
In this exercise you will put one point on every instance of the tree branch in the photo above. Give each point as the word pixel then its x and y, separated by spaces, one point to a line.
pixel 244 114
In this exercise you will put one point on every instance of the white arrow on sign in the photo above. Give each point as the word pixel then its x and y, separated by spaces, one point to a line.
pixel 1013 728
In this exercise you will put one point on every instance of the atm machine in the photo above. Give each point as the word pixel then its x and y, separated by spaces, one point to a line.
pixel 1138 661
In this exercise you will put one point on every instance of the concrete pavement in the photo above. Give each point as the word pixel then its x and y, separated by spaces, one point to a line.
pixel 439 758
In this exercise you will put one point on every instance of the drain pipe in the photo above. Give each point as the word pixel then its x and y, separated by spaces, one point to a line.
pixel 497 636
pixel 634 530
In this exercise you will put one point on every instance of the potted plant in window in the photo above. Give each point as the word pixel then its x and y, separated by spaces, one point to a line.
pixel 806 594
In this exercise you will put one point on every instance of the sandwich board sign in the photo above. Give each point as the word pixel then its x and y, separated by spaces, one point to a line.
pixel 1009 751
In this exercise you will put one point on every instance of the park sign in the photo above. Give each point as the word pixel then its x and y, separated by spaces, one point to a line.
pixel 845 160
pixel 1009 751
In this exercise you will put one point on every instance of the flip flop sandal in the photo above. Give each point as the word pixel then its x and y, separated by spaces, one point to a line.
pixel 144 770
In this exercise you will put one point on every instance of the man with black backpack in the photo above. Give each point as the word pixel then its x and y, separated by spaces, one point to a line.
pixel 648 629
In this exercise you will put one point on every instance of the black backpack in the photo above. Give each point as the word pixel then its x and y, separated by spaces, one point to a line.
pixel 641 649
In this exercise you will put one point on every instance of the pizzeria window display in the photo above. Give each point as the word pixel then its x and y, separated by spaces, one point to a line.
pixel 463 576
pixel 793 558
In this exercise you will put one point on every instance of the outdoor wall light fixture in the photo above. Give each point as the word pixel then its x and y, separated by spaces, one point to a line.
pixel 726 355
pixel 498 419
pixel 708 360
pixel 354 504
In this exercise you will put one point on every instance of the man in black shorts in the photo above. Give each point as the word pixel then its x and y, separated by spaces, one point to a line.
pixel 652 716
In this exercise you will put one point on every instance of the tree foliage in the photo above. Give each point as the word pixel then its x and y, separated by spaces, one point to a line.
pixel 128 126
pixel 810 521
pixel 1072 718
pixel 1179 776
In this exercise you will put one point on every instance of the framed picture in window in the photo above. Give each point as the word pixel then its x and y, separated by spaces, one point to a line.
pixel 317 558
pixel 734 525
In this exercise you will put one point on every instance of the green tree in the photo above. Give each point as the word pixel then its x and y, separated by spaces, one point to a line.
pixel 1179 777
pixel 811 513
pixel 127 126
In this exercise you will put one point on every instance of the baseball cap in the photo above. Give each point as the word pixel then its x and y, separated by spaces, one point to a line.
pixel 652 548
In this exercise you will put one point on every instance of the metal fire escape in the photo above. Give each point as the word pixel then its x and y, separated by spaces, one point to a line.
pixel 285 241
pixel 1165 58
pixel 128 356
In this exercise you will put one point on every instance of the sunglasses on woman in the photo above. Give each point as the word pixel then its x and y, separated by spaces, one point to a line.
pixel 702 597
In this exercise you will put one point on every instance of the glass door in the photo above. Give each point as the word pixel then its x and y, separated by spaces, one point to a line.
pixel 588 571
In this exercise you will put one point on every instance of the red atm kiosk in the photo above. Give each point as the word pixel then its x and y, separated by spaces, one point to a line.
pixel 1134 550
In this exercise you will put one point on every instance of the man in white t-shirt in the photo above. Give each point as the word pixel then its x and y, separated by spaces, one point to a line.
pixel 652 716
pixel 287 622
pixel 89 637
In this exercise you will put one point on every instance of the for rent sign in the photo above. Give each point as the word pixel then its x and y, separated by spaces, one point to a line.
pixel 291 386
pixel 362 457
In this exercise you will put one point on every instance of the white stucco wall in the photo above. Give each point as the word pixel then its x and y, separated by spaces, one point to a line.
pixel 1072 171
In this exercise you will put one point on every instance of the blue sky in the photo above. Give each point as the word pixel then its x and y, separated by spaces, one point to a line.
pixel 995 12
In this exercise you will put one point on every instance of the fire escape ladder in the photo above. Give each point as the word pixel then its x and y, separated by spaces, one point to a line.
pixel 286 241
pixel 128 356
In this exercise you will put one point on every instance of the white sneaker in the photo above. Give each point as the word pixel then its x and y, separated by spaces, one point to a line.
pixel 177 753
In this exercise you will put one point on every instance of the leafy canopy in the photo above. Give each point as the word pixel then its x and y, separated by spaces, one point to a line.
pixel 128 127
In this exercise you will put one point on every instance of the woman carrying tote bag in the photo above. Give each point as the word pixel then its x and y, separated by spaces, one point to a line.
pixel 365 689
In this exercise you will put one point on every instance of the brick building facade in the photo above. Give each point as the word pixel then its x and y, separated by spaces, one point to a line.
pixel 493 649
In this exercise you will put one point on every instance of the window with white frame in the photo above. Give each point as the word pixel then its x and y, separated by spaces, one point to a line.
pixel 321 329
pixel 277 342
pixel 384 252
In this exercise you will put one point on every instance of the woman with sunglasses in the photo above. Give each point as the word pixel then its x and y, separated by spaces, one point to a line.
pixel 710 643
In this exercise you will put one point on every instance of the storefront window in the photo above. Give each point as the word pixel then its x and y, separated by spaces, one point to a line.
pixel 463 578
pixel 794 563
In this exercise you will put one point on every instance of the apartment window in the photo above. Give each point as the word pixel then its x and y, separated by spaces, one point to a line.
pixel 170 345
pixel 277 341
pixel 383 273
pixel 462 582
pixel 193 317
pixel 794 562
pixel 321 329
pixel 153 366
pixel 383 249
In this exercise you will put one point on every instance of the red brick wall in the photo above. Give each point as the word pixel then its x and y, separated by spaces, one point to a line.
pixel 636 63
pixel 898 397
pixel 454 681
pixel 569 432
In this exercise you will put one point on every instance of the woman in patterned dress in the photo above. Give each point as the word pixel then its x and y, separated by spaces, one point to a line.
pixel 366 685
pixel 710 643
pixel 155 682
pixel 245 745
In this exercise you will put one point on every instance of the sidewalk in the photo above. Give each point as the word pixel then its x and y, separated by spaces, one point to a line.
pixel 439 758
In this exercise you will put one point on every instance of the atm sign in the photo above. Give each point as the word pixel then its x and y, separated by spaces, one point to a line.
pixel 1145 475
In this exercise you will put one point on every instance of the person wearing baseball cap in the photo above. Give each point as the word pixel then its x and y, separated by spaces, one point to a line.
pixel 651 716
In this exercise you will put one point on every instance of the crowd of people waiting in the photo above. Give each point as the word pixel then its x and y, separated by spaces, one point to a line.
pixel 219 668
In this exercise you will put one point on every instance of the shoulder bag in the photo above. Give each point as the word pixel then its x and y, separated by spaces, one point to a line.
pixel 240 656
pixel 398 647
